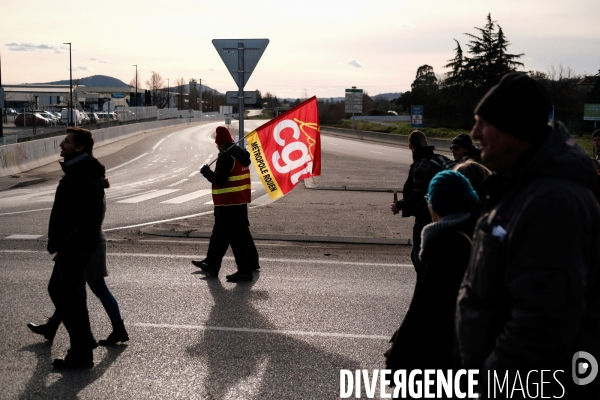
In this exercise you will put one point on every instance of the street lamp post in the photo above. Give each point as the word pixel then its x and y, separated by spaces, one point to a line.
pixel 70 87
pixel 168 93
pixel 136 92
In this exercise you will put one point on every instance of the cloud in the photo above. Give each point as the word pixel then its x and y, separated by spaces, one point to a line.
pixel 354 63
pixel 82 68
pixel 33 47
pixel 100 61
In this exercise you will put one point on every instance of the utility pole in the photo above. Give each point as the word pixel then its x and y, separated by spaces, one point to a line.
pixel 70 87
pixel 136 93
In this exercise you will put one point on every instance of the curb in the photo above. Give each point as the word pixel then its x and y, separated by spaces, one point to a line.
pixel 309 183
pixel 6 184
pixel 151 230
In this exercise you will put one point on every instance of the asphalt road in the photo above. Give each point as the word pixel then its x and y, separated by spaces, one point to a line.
pixel 313 310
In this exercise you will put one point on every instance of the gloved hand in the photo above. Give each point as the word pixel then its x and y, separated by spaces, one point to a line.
pixel 205 170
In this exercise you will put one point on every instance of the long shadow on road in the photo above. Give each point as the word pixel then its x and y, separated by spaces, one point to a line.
pixel 71 382
pixel 261 365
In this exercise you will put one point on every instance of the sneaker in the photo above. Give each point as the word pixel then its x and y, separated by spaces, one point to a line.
pixel 203 265
pixel 255 268
pixel 240 277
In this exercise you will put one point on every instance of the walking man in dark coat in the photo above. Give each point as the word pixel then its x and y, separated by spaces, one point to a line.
pixel 73 236
pixel 530 299
pixel 425 165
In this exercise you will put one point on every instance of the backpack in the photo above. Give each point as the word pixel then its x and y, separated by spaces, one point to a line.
pixel 442 163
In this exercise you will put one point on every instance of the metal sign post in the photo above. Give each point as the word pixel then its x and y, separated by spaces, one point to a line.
pixel 354 102
pixel 416 116
pixel 240 57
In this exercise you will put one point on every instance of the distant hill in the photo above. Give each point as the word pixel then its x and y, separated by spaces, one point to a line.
pixel 108 81
pixel 388 96
pixel 93 81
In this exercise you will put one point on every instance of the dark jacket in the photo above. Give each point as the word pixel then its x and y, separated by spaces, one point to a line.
pixel 421 171
pixel 225 164
pixel 225 161
pixel 425 339
pixel 530 297
pixel 76 217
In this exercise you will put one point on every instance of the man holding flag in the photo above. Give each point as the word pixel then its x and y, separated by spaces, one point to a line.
pixel 285 150
pixel 231 195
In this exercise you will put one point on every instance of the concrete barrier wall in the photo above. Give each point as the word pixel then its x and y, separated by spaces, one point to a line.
pixel 21 157
pixel 441 145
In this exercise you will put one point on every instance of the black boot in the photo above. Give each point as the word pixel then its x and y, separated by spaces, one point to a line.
pixel 48 330
pixel 119 334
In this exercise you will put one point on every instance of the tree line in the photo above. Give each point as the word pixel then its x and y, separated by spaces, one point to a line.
pixel 450 99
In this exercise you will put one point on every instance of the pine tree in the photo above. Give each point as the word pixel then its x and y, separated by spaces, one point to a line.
pixel 457 68
pixel 489 59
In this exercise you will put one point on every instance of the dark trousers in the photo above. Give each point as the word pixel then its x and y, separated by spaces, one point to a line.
pixel 416 244
pixel 67 291
pixel 231 228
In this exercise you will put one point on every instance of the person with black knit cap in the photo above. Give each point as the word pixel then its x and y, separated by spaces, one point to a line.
pixel 426 338
pixel 231 193
pixel 462 149
pixel 596 142
pixel 530 298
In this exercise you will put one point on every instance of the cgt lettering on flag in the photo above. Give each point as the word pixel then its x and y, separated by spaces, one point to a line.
pixel 287 149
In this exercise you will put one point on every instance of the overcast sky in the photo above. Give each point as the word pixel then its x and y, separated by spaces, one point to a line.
pixel 317 47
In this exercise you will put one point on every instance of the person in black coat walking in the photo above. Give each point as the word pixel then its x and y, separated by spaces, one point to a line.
pixel 73 236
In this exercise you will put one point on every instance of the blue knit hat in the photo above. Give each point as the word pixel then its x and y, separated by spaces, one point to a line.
pixel 451 192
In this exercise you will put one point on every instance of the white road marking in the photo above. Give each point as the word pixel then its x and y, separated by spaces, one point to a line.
pixel 177 183
pixel 269 331
pixel 158 222
pixel 187 197
pixel 193 173
pixel 278 261
pixel 117 194
pixel 158 144
pixel 21 212
pixel 26 237
pixel 20 199
pixel 128 162
pixel 148 196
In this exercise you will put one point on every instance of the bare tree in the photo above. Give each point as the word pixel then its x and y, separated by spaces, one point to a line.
pixel 180 90
pixel 156 85
pixel 132 83
pixel 193 102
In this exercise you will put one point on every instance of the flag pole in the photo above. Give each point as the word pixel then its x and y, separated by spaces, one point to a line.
pixel 219 155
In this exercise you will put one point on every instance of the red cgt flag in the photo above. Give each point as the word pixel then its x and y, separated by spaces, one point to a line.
pixel 287 149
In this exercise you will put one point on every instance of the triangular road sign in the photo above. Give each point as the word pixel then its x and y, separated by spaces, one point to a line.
pixel 240 56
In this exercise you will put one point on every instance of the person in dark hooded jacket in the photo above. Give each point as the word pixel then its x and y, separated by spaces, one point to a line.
pixel 530 298
pixel 74 233
pixel 425 165
pixel 231 194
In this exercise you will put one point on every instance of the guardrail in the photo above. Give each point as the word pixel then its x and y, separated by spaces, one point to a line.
pixel 441 145
pixel 20 157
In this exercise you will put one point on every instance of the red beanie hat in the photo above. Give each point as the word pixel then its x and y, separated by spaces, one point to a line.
pixel 223 136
